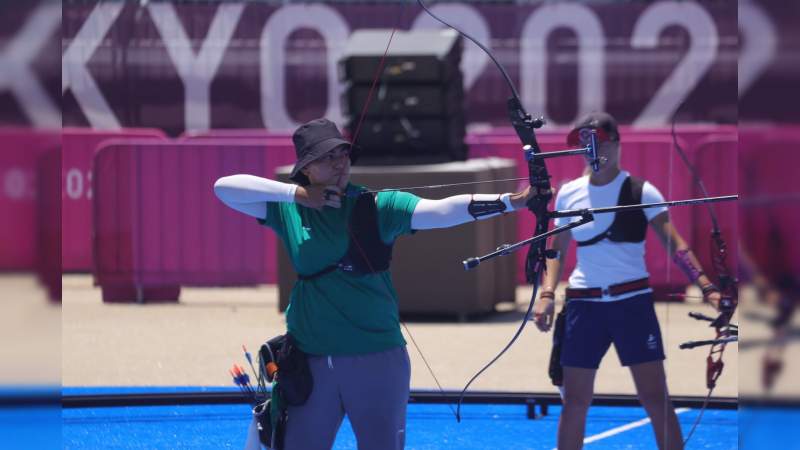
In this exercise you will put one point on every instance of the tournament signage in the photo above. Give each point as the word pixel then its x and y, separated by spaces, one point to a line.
pixel 256 65
pixel 199 65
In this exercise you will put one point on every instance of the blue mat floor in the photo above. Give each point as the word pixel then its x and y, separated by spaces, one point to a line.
pixel 428 427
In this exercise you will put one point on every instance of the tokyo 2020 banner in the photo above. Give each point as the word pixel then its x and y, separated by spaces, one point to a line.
pixel 255 65
pixel 194 66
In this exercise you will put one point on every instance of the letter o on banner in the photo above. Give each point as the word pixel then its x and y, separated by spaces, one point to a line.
pixel 591 56
pixel 279 26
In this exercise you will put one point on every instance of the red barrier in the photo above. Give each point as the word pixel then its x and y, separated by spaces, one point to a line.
pixel 80 145
pixel 48 193
pixel 281 142
pixel 159 225
pixel 21 151
pixel 770 201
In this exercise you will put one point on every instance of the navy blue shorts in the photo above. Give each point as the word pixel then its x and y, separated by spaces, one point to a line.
pixel 591 327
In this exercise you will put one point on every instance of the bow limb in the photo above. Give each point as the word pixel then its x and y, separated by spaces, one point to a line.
pixel 726 282
pixel 539 180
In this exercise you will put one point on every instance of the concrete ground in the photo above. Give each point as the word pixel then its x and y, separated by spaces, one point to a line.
pixel 30 333
pixel 194 342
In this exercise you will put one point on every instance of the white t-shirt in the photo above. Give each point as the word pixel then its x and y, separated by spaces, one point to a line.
pixel 605 263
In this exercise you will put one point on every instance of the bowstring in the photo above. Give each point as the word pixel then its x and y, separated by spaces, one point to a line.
pixel 676 145
pixel 440 186
pixel 670 192
pixel 401 321
pixel 699 417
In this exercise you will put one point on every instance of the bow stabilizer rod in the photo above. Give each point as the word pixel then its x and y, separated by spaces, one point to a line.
pixel 586 215
pixel 507 249
pixel 693 344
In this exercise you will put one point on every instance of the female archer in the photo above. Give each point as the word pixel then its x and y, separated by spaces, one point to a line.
pixel 343 309
pixel 609 299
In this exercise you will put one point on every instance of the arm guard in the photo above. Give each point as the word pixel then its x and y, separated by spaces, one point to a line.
pixel 483 207
pixel 683 258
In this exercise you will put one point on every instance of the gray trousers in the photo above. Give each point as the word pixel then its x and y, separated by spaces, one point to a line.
pixel 372 389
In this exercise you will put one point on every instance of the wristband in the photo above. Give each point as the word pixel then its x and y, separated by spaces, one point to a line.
pixel 709 288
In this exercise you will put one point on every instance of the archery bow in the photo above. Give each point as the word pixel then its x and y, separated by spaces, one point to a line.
pixel 539 179
pixel 726 332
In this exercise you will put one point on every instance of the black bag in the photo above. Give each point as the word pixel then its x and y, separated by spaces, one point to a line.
pixel 555 370
pixel 294 375
pixel 294 386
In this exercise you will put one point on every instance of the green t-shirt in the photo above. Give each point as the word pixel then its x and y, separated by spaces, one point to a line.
pixel 340 313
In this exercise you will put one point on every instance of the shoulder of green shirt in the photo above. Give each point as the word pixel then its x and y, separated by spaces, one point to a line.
pixel 398 200
pixel 395 209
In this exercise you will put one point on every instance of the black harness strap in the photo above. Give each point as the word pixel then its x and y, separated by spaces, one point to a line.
pixel 370 254
pixel 322 272
pixel 628 226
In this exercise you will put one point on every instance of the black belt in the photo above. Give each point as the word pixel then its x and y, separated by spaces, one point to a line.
pixel 614 289
pixel 329 269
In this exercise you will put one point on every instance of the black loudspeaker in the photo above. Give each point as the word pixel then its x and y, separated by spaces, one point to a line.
pixel 421 56
pixel 417 140
pixel 415 114
pixel 405 100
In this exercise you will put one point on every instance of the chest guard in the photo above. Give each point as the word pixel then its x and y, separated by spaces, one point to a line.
pixel 370 253
pixel 628 226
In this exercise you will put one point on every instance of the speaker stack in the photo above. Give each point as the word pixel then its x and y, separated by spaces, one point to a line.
pixel 416 113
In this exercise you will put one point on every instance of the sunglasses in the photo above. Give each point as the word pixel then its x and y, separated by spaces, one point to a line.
pixel 581 137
